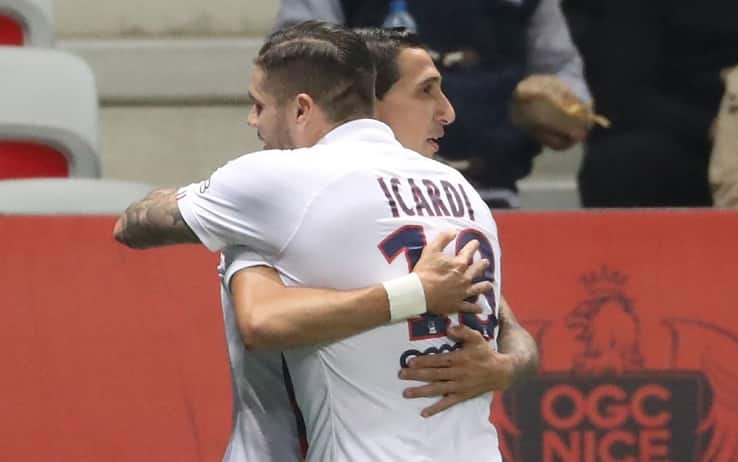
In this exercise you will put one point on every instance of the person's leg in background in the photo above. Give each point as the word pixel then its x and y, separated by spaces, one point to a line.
pixel 644 169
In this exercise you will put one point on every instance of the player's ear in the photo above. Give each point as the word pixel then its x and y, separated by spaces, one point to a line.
pixel 304 105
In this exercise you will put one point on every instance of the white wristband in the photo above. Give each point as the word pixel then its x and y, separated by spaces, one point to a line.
pixel 406 297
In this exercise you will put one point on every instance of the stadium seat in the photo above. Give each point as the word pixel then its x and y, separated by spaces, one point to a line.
pixel 26 22
pixel 48 115
pixel 68 196
pixel 11 30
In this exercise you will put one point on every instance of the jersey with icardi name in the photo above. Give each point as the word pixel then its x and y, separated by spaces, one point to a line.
pixel 353 211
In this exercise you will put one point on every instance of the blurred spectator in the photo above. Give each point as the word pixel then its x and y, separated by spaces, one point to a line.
pixel 654 69
pixel 724 161
pixel 484 48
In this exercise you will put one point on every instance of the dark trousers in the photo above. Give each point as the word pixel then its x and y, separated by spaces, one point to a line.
pixel 644 169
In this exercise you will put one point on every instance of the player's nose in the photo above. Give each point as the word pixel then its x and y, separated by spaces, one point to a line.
pixel 446 112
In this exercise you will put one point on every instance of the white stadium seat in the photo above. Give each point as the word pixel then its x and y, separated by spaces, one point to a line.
pixel 27 22
pixel 48 115
pixel 68 196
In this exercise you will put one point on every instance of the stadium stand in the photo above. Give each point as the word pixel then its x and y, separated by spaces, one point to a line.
pixel 68 196
pixel 172 79
pixel 552 184
pixel 26 23
pixel 48 116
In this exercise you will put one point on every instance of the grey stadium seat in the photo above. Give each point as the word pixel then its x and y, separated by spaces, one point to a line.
pixel 68 196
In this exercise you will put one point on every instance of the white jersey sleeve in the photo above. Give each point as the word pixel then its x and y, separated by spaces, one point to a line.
pixel 256 201
pixel 236 258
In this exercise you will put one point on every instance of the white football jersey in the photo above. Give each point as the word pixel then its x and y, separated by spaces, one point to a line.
pixel 264 420
pixel 353 211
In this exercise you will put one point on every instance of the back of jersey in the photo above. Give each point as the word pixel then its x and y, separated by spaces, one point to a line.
pixel 368 225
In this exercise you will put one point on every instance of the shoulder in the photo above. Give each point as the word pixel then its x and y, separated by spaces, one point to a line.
pixel 279 165
pixel 289 176
pixel 264 157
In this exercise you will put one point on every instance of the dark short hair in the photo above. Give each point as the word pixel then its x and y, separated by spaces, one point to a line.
pixel 327 61
pixel 385 46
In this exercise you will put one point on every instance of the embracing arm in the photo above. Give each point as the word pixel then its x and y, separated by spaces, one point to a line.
pixel 153 221
pixel 274 317
pixel 516 342
pixel 476 368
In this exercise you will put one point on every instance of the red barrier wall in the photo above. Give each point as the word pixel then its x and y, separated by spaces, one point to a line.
pixel 108 354
pixel 118 355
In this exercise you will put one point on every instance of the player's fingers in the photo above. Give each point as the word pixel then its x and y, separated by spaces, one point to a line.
pixel 428 374
pixel 465 335
pixel 436 361
pixel 442 240
pixel 427 391
pixel 477 268
pixel 467 252
pixel 479 288
pixel 443 404
pixel 467 307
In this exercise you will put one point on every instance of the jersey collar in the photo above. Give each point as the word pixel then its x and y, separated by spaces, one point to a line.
pixel 360 130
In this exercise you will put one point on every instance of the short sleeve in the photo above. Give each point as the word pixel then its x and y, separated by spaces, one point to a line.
pixel 256 201
pixel 237 258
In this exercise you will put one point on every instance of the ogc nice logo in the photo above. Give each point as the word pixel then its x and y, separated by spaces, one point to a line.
pixel 625 387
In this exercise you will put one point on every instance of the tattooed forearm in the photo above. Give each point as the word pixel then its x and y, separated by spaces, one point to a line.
pixel 515 340
pixel 153 221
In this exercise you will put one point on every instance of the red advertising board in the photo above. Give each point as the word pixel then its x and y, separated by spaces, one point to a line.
pixel 119 355
pixel 108 354
pixel 636 316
